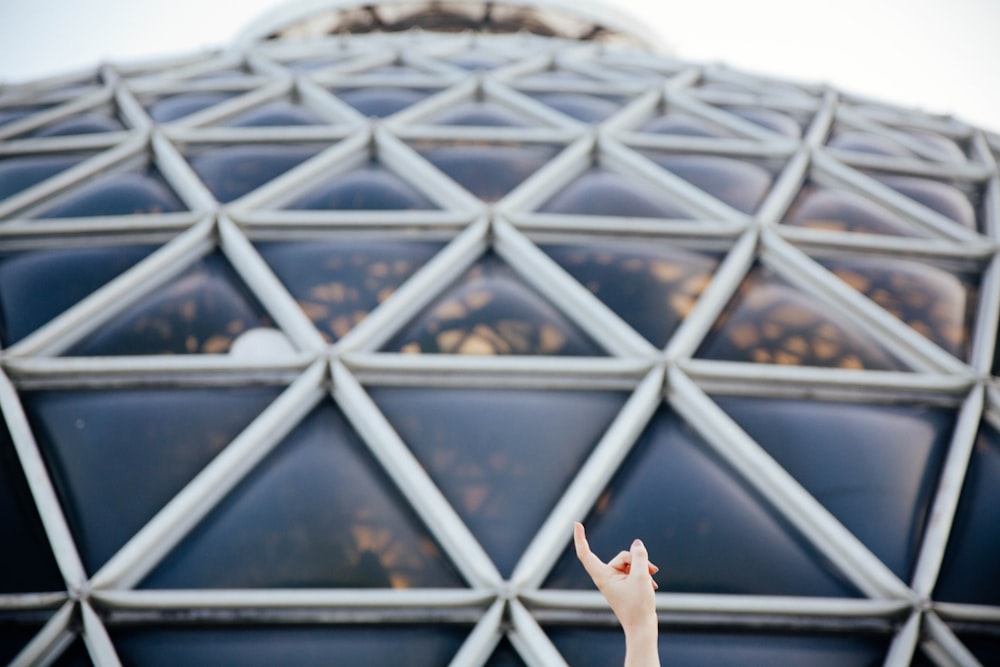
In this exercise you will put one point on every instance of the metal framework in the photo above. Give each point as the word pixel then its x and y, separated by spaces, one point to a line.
pixel 518 606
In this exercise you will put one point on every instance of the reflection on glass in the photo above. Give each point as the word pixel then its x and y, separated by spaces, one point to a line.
pixel 601 192
pixel 488 171
pixel 939 146
pixel 770 322
pixel 835 210
pixel 370 187
pixel 739 183
pixel 585 108
pixel 130 193
pixel 381 101
pixel 301 645
pixel 201 312
pixel 969 571
pixel 88 123
pixel 338 283
pixel 276 114
pixel 20 173
pixel 117 457
pixel 502 458
pixel 685 125
pixel 477 61
pixel 232 171
pixel 945 198
pixel 717 535
pixel 491 311
pixel 770 119
pixel 480 114
pixel 63 276
pixel 888 456
pixel 867 142
pixel 174 107
pixel 30 567
pixel 598 646
pixel 318 511
pixel 651 286
pixel 938 304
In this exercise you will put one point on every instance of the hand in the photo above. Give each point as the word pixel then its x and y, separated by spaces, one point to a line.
pixel 627 584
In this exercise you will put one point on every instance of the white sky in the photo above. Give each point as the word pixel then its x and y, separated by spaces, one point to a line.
pixel 939 55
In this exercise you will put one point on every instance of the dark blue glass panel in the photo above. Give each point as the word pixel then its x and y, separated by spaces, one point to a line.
pixel 382 645
pixel 489 171
pixel 89 123
pixel 685 125
pixel 984 644
pixel 20 173
pixel 739 183
pixel 338 283
pixel 601 192
pixel 650 285
pixel 371 187
pixel 874 467
pixel 479 113
pixel 11 114
pixel 502 458
pixel 116 457
pixel 232 171
pixel 318 511
pixel 276 114
pixel 491 311
pixel 31 567
pixel 844 211
pixel 15 633
pixel 505 655
pixel 118 194
pixel 969 572
pixel 769 321
pixel 381 101
pixel 63 276
pixel 478 61
pixel 74 656
pixel 178 106
pixel 770 119
pixel 202 311
pixel 937 303
pixel 599 647
pixel 585 108
pixel 705 527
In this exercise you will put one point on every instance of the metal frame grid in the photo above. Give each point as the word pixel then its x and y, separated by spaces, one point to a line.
pixel 516 607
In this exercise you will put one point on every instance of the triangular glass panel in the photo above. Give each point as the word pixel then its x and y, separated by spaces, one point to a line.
pixel 583 107
pixel 382 101
pixel 75 655
pixel 370 187
pixel 937 146
pixel 478 60
pixel 981 640
pixel 732 648
pixel 741 183
pixel 10 114
pixel 488 170
pixel 889 457
pixel 65 276
pixel 687 125
pixel 140 191
pixel 337 283
pixel 957 201
pixel 505 655
pixel 480 113
pixel 303 645
pixel 838 210
pixel 491 311
pixel 769 321
pixel 30 567
pixel 231 171
pixel 174 107
pixel 95 121
pixel 599 191
pixel 692 512
pixel 315 62
pixel 857 141
pixel 555 76
pixel 319 512
pixel 502 457
pixel 201 312
pixel 650 285
pixel 275 114
pixel 783 123
pixel 937 303
pixel 20 172
pixel 16 631
pixel 969 573
pixel 117 456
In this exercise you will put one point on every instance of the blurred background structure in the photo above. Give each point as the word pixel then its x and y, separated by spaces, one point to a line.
pixel 313 347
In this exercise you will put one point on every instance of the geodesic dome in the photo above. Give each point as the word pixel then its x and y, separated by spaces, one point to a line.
pixel 314 348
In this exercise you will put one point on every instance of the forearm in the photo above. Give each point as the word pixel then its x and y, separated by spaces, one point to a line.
pixel 640 646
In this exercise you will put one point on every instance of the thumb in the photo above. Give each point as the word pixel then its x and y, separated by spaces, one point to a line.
pixel 640 559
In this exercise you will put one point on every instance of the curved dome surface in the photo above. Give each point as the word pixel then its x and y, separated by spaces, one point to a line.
pixel 319 346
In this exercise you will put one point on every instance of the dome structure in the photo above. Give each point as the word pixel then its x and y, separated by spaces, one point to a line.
pixel 313 349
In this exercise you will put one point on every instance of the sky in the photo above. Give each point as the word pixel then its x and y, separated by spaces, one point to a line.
pixel 942 56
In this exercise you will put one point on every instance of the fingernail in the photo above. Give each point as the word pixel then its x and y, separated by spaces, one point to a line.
pixel 638 543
